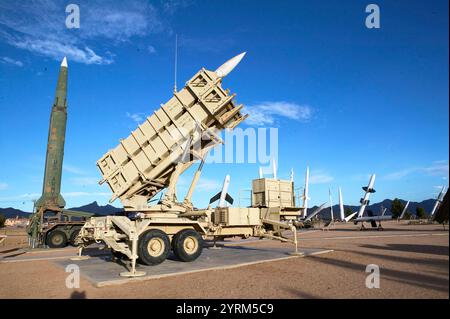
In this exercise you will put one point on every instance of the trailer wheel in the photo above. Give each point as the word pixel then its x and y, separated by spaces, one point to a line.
pixel 153 247
pixel 56 239
pixel 187 245
pixel 73 236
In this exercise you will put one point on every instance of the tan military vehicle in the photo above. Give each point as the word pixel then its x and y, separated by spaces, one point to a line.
pixel 151 159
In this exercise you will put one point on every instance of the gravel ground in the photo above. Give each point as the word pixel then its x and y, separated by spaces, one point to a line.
pixel 413 261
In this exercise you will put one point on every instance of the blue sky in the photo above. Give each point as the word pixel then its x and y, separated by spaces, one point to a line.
pixel 347 101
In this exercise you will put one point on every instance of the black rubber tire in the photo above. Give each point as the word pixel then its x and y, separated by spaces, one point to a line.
pixel 144 255
pixel 74 235
pixel 56 239
pixel 179 248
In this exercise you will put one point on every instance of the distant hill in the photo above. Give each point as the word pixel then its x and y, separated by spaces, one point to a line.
pixel 377 208
pixel 12 213
pixel 93 207
pixel 97 209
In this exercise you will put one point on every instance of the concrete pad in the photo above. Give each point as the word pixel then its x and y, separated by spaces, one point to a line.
pixel 23 255
pixel 102 271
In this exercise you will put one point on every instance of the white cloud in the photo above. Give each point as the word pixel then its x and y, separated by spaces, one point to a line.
pixel 7 60
pixel 170 6
pixel 206 184
pixel 84 194
pixel 399 174
pixel 137 117
pixel 151 49
pixel 267 113
pixel 73 169
pixel 21 197
pixel 320 177
pixel 55 49
pixel 3 186
pixel 39 27
pixel 437 168
pixel 83 181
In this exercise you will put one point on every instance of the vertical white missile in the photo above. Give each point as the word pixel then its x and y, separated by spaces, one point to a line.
pixel 438 201
pixel 365 201
pixel 223 70
pixel 223 194
pixel 341 206
pixel 306 193
pixel 274 169
pixel 292 175
pixel 404 210
pixel 384 211
pixel 331 205
pixel 261 172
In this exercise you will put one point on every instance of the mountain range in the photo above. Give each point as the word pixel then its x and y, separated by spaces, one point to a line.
pixel 376 208
pixel 93 207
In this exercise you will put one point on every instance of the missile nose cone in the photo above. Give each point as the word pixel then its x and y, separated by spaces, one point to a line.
pixel 64 62
pixel 223 70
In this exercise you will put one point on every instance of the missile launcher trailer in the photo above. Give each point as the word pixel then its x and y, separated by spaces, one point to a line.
pixel 151 159
pixel 50 223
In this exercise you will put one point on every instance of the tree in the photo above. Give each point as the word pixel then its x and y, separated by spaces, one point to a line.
pixel 407 215
pixel 2 220
pixel 396 208
pixel 420 213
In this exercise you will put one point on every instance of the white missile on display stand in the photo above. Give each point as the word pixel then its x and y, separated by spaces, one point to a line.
pixel 349 217
pixel 438 201
pixel 223 195
pixel 331 205
pixel 404 210
pixel 365 201
pixel 318 210
pixel 341 206
pixel 274 169
pixel 306 193
pixel 224 191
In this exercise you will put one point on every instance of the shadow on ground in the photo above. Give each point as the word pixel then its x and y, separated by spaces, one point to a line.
pixel 414 279
pixel 414 248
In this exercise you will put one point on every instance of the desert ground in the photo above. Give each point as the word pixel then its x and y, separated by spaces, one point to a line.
pixel 413 262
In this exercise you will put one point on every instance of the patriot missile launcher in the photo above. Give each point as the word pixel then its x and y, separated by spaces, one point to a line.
pixel 50 223
pixel 150 161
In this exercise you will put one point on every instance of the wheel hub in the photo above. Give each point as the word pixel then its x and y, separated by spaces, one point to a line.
pixel 155 247
pixel 190 245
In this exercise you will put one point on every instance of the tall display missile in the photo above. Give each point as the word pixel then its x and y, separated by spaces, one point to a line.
pixel 306 193
pixel 438 201
pixel 274 169
pixel 341 206
pixel 223 70
pixel 331 205
pixel 404 210
pixel 51 192
pixel 365 201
